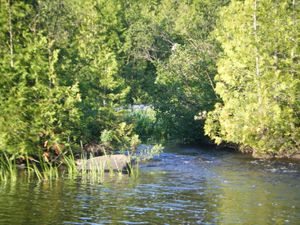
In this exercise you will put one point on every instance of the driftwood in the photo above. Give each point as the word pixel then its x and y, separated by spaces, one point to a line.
pixel 105 163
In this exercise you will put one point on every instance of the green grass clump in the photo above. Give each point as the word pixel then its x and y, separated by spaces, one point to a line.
pixel 8 168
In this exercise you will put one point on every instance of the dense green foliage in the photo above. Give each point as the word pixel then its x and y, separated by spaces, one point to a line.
pixel 258 77
pixel 145 123
pixel 171 39
pixel 59 68
pixel 69 68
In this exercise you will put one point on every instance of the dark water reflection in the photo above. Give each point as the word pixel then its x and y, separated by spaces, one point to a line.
pixel 185 186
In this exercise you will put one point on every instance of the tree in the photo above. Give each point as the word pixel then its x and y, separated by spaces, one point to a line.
pixel 258 77
pixel 60 83
pixel 35 108
pixel 174 55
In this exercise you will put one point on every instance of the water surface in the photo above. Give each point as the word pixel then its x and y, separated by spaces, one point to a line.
pixel 185 185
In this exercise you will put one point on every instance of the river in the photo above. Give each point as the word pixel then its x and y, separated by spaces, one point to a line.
pixel 185 185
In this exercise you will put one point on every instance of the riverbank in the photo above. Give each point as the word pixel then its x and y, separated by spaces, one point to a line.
pixel 256 154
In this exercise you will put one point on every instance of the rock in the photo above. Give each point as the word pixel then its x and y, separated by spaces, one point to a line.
pixel 21 166
pixel 95 149
pixel 106 163
pixel 296 156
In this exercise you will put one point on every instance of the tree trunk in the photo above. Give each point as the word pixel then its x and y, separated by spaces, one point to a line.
pixel 257 58
pixel 11 46
pixel 255 36
pixel 294 28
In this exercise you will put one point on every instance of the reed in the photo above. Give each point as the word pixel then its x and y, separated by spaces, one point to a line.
pixel 42 170
pixel 47 171
pixel 8 168
pixel 70 163
pixel 133 170
pixel 36 171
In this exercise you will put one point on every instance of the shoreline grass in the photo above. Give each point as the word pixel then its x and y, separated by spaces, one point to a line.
pixel 41 170
pixel 67 166
pixel 8 168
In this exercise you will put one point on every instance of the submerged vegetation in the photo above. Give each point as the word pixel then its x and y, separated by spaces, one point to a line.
pixel 70 70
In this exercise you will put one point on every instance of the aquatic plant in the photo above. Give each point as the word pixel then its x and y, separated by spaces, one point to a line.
pixel 73 168
pixel 70 163
pixel 45 171
pixel 133 170
pixel 8 167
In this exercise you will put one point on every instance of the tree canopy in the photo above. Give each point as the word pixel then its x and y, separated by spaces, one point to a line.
pixel 70 68
pixel 258 77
